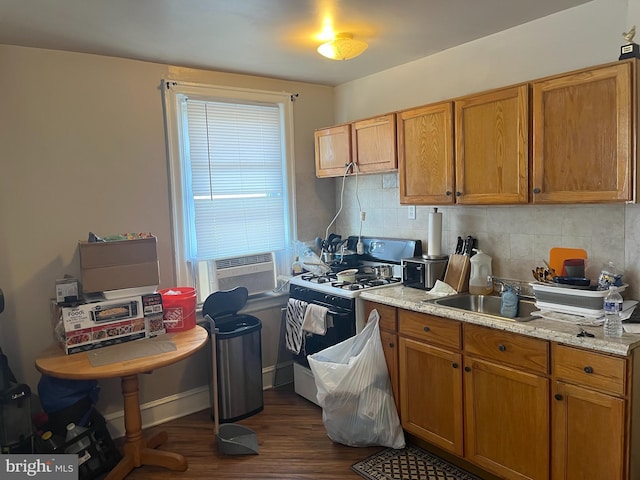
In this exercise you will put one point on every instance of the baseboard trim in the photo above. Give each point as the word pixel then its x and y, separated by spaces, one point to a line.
pixel 181 404
pixel 162 410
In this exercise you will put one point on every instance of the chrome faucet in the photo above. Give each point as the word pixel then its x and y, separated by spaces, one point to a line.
pixel 504 284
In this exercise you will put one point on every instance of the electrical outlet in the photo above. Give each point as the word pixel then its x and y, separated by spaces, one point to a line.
pixel 412 212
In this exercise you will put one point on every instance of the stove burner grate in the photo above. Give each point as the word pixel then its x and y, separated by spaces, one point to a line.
pixel 363 280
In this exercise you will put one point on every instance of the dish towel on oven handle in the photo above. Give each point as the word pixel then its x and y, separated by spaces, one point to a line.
pixel 294 317
pixel 315 319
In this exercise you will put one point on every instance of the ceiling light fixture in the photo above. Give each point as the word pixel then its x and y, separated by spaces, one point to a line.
pixel 342 47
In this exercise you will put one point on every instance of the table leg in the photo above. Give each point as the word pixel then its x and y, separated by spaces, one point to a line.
pixel 137 450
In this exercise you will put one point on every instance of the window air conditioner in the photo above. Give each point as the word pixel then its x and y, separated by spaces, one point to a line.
pixel 255 272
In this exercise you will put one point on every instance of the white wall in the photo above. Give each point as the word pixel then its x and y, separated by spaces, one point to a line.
pixel 517 237
pixel 579 37
pixel 82 148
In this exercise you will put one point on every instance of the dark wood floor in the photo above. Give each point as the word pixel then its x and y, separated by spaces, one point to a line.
pixel 292 440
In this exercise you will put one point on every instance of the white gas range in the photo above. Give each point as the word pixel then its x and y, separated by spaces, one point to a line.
pixel 341 298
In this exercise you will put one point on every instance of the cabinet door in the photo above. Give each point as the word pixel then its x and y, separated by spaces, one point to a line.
pixel 491 147
pixel 582 136
pixel 506 420
pixel 587 434
pixel 374 144
pixel 431 394
pixel 388 326
pixel 333 150
pixel 390 348
pixel 425 155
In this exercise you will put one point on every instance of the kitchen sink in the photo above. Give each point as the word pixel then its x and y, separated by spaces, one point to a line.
pixel 487 305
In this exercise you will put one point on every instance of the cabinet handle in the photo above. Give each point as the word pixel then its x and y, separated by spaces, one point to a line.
pixel 454 365
pixel 426 329
pixel 458 194
pixel 448 193
pixel 467 369
pixel 588 369
pixel 502 348
pixel 557 396
pixel 391 345
pixel 536 190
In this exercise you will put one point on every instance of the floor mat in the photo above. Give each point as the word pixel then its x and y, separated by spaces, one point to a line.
pixel 410 463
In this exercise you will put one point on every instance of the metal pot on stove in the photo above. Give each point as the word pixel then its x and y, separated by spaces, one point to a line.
pixel 383 271
pixel 347 275
pixel 379 271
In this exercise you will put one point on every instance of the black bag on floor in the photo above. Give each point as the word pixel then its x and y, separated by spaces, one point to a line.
pixel 67 401
pixel 16 433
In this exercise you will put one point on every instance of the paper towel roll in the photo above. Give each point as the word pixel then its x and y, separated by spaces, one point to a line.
pixel 434 241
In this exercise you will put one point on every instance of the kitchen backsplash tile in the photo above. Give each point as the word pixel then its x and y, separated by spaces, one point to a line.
pixel 518 237
pixel 390 180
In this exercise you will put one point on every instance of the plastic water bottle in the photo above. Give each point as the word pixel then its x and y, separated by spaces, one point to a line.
pixel 79 445
pixel 52 443
pixel 612 313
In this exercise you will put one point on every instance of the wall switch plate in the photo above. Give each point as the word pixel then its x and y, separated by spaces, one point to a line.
pixel 412 212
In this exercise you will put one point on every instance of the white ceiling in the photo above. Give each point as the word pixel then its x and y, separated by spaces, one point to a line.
pixel 273 38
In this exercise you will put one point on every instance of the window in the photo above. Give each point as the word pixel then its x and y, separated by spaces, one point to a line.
pixel 231 175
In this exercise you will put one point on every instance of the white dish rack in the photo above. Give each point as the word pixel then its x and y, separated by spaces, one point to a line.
pixel 575 301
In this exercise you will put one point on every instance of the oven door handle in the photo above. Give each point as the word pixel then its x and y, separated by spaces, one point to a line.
pixel 333 310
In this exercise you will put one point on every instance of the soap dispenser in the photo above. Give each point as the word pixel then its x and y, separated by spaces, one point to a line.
pixel 509 303
pixel 480 281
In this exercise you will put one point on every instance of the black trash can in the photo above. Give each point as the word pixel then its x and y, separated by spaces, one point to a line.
pixel 239 360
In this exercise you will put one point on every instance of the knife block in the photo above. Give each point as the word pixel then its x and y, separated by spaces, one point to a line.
pixel 457 275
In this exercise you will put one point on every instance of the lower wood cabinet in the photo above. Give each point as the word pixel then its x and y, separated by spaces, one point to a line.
pixel 389 337
pixel 506 420
pixel 506 402
pixel 431 393
pixel 589 432
pixel 516 406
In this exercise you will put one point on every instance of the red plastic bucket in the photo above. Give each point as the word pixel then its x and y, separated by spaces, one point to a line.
pixel 179 308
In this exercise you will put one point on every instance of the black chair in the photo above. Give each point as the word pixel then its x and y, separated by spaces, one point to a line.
pixel 239 354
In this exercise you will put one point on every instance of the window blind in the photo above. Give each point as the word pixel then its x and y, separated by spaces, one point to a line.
pixel 237 169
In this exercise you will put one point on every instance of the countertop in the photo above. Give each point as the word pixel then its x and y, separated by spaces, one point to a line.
pixel 561 332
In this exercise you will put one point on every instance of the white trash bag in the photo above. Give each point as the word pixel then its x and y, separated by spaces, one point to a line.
pixel 354 391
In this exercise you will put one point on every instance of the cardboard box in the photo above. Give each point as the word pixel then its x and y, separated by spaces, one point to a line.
pixel 67 290
pixel 119 264
pixel 153 314
pixel 78 329
pixel 90 315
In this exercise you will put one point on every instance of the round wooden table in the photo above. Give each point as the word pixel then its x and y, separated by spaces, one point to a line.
pixel 137 450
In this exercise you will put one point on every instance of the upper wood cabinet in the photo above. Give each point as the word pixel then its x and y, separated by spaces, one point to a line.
pixel 425 154
pixel 568 138
pixel 491 147
pixel 583 137
pixel 333 150
pixel 374 144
